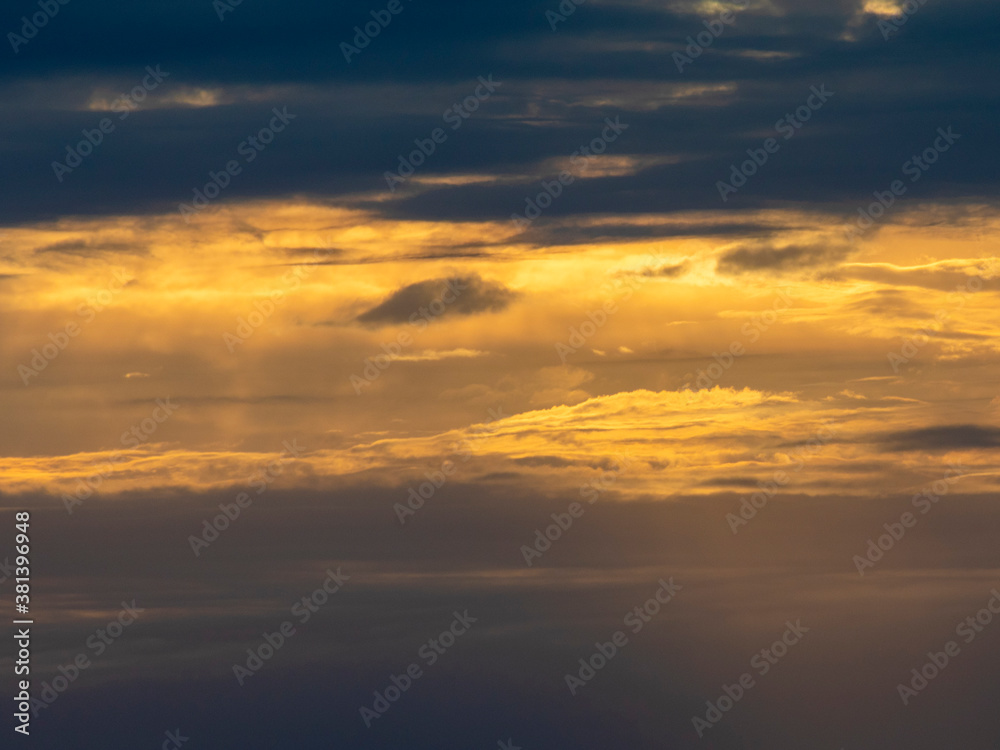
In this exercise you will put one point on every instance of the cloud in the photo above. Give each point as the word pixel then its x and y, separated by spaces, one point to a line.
pixel 943 438
pixel 768 258
pixel 86 247
pixel 430 355
pixel 619 228
pixel 948 275
pixel 666 272
pixel 557 461
pixel 888 303
pixel 459 295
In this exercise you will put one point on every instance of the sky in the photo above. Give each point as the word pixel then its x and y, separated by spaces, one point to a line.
pixel 466 342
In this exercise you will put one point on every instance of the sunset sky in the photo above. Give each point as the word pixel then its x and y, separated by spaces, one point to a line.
pixel 722 274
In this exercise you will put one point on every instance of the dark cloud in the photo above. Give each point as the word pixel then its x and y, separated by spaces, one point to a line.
pixel 666 272
pixel 505 678
pixel 546 234
pixel 90 247
pixel 944 438
pixel 544 461
pixel 741 482
pixel 968 278
pixel 961 335
pixel 792 257
pixel 398 87
pixel 889 302
pixel 456 295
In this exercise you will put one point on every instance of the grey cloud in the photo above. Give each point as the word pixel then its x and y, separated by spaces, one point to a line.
pixel 942 279
pixel 943 438
pixel 666 272
pixel 91 247
pixel 472 294
pixel 769 258
pixel 533 627
pixel 543 461
pixel 886 302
